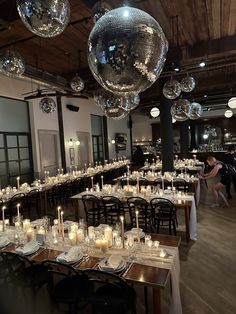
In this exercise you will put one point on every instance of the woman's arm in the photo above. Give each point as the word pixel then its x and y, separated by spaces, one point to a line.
pixel 213 172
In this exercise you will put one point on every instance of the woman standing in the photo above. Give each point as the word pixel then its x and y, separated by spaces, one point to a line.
pixel 218 167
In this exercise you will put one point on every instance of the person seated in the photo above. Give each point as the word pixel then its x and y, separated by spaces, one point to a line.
pixel 138 157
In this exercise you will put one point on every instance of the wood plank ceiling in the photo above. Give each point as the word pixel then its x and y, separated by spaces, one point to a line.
pixel 206 30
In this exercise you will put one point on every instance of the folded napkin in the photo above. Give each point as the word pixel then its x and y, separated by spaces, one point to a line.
pixel 3 241
pixel 112 263
pixel 29 247
pixel 135 230
pixel 73 254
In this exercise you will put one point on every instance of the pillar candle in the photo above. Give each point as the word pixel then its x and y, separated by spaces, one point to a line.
pixel 108 235
pixel 72 238
pixel 26 224
pixel 18 183
pixel 104 245
pixel 98 243
pixel 80 235
pixel 3 218
pixel 137 225
pixel 30 234
pixel 18 212
pixel 74 227
pixel 62 227
pixel 122 231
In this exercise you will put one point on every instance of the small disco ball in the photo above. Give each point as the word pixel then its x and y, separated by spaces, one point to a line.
pixel 181 110
pixel 77 83
pixel 196 111
pixel 110 106
pixel 47 105
pixel 172 89
pixel 11 63
pixel 44 18
pixel 129 102
pixel 188 84
pixel 99 9
pixel 126 51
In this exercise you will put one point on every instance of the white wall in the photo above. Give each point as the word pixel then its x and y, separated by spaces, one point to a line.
pixel 142 128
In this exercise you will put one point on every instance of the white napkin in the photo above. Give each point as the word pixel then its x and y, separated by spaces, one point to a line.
pixel 135 230
pixel 3 241
pixel 29 247
pixel 71 255
pixel 112 263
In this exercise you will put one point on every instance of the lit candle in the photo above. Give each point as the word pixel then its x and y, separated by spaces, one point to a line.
pixel 80 235
pixel 30 234
pixel 102 181
pixel 162 253
pixel 137 225
pixel 72 238
pixel 18 212
pixel 59 218
pixel 45 176
pixel 3 218
pixel 41 230
pixel 91 233
pixel 92 182
pixel 26 224
pixel 58 172
pixel 128 181
pixel 62 227
pixel 104 245
pixel 74 227
pixel 18 183
pixel 122 231
pixel 108 235
pixel 98 243
pixel 62 171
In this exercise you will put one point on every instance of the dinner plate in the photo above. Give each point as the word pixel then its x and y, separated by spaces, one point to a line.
pixel 134 234
pixel 61 260
pixel 102 266
pixel 34 250
pixel 4 244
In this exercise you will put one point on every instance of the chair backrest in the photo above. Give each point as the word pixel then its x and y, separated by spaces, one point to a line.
pixel 90 202
pixel 112 203
pixel 140 204
pixel 124 181
pixel 57 267
pixel 181 185
pixel 161 204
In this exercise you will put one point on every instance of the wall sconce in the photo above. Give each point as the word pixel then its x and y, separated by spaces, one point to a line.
pixel 113 142
pixel 72 142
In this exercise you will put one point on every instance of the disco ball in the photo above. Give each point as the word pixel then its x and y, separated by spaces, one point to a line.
pixel 126 51
pixel 129 102
pixel 77 83
pixel 196 111
pixel 47 105
pixel 188 84
pixel 110 106
pixel 172 89
pixel 44 18
pixel 11 63
pixel 99 9
pixel 181 110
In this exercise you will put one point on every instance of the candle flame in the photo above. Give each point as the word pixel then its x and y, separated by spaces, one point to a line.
pixel 18 205
pixel 62 213
pixel 122 218
pixel 4 207
pixel 59 208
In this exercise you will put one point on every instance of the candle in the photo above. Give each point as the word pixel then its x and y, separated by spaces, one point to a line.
pixel 26 224
pixel 62 171
pixel 92 182
pixel 41 230
pixel 58 172
pixel 54 231
pixel 102 181
pixel 55 222
pixel 17 224
pixel 18 183
pixel 62 227
pixel 98 243
pixel 156 244
pixel 162 184
pixel 80 235
pixel 3 218
pixel 74 227
pixel 122 231
pixel 59 219
pixel 72 238
pixel 162 253
pixel 128 181
pixel 18 212
pixel 104 245
pixel 30 234
pixel 108 235
pixel 137 225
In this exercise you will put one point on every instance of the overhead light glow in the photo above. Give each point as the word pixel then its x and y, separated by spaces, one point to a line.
pixel 202 64
pixel 173 120
pixel 154 112
pixel 228 113
pixel 205 136
pixel 126 13
pixel 232 103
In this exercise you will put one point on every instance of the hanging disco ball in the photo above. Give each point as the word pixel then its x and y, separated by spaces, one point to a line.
pixel 47 105
pixel 172 89
pixel 44 18
pixel 11 63
pixel 109 103
pixel 126 51
pixel 99 9
pixel 77 83
pixel 188 84
pixel 181 110
pixel 196 111
pixel 129 102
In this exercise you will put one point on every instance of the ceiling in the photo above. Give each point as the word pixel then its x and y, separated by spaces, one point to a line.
pixel 203 29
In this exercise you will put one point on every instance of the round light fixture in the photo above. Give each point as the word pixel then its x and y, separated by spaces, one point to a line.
pixel 232 103
pixel 113 142
pixel 77 143
pixel 202 64
pixel 154 112
pixel 205 136
pixel 228 113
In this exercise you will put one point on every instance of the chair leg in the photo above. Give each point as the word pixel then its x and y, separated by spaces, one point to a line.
pixel 170 227
pixel 174 227
pixel 146 299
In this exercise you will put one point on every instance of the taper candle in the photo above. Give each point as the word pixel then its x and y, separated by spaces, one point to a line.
pixel 59 219
pixel 62 227
pixel 18 212
pixel 92 182
pixel 3 218
pixel 137 225
pixel 18 183
pixel 102 181
pixel 122 231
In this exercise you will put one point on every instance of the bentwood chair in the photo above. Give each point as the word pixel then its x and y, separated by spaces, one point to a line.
pixel 113 209
pixel 111 293
pixel 94 212
pixel 145 213
pixel 164 214
pixel 181 185
pixel 67 286
pixel 32 202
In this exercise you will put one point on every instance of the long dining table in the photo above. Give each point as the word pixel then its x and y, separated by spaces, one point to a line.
pixel 152 273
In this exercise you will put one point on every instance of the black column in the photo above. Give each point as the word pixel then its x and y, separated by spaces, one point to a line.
pixel 105 133
pixel 130 126
pixel 193 133
pixel 167 139
pixel 184 138
pixel 61 132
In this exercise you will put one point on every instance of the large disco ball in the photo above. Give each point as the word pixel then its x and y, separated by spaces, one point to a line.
pixel 188 84
pixel 126 51
pixel 99 9
pixel 181 110
pixel 44 18
pixel 77 83
pixel 11 63
pixel 47 105
pixel 196 111
pixel 172 89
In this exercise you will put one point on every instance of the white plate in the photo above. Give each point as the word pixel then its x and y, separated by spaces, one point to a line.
pixel 61 260
pixel 4 244
pixel 121 267
pixel 30 252
pixel 134 234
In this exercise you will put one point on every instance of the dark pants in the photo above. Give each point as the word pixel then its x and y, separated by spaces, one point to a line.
pixel 233 179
